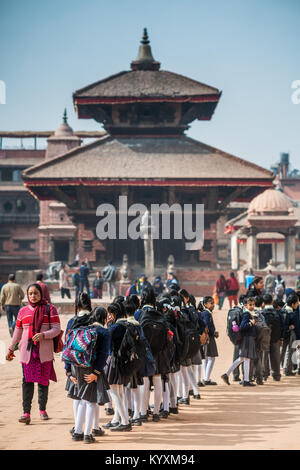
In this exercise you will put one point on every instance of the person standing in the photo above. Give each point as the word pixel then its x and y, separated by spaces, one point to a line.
pixel 256 287
pixel 210 349
pixel 84 277
pixel 249 278
pixel 232 289
pixel 270 283
pixel 37 324
pixel 44 287
pixel 11 301
pixel 274 320
pixel 98 285
pixel 64 283
pixel 109 274
pixel 76 283
pixel 220 289
pixel 279 287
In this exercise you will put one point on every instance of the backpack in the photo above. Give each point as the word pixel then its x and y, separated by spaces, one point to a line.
pixel 132 351
pixel 263 335
pixel 155 329
pixel 279 289
pixel 273 320
pixel 188 332
pixel 234 315
pixel 79 348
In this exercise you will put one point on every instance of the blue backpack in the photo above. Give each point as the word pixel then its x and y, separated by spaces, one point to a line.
pixel 79 348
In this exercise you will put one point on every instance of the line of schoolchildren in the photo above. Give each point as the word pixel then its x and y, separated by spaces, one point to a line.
pixel 265 333
pixel 139 345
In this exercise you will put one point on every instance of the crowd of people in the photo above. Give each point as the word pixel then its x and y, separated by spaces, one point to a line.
pixel 157 338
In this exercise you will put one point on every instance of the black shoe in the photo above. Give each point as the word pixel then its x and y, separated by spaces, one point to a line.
pixel 191 393
pixel 72 430
pixel 259 382
pixel 155 418
pixel 110 425
pixel 144 418
pixel 109 411
pixel 184 401
pixel 179 398
pixel 209 382
pixel 276 379
pixel 122 428
pixel 89 439
pixel 136 422
pixel 225 378
pixel 173 411
pixel 200 384
pixel 236 379
pixel 77 437
pixel 164 414
pixel 197 397
pixel 98 432
pixel 290 374
pixel 248 384
pixel 130 413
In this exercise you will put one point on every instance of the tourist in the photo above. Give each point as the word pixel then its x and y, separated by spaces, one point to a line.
pixel 76 283
pixel 256 287
pixel 270 283
pixel 97 286
pixel 87 385
pixel 158 286
pixel 44 287
pixel 35 334
pixel 220 289
pixel 232 289
pixel 249 278
pixel 11 300
pixel 210 349
pixel 109 274
pixel 274 321
pixel 171 280
pixel 84 277
pixel 64 282
pixel 279 287
pixel 247 348
pixel 143 284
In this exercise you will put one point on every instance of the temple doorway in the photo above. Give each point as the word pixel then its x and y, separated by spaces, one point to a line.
pixel 264 254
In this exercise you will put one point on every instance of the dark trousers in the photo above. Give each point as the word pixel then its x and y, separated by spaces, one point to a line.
pixel 28 392
pixel 272 361
pixel 12 315
pixel 64 291
pixel 84 283
pixel 258 366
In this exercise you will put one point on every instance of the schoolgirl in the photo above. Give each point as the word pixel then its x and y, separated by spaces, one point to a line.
pixel 116 379
pixel 248 348
pixel 87 385
pixel 210 350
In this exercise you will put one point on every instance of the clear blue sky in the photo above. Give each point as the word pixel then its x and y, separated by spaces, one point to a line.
pixel 249 49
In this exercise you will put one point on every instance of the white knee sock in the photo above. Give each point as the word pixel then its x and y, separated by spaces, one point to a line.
pixel 157 384
pixel 89 417
pixel 166 397
pixel 179 384
pixel 117 393
pixel 197 372
pixel 193 382
pixel 75 408
pixel 136 395
pixel 185 381
pixel 145 396
pixel 80 416
pixel 235 364
pixel 96 417
pixel 209 367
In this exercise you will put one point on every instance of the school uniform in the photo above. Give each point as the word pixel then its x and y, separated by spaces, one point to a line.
pixel 277 333
pixel 210 349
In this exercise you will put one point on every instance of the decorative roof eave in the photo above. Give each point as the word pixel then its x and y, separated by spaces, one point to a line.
pixel 209 98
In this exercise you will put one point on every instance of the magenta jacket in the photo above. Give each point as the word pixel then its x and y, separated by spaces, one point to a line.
pixel 21 334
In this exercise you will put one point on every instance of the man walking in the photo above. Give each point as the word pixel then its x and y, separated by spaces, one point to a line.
pixel 84 277
pixel 11 300
pixel 64 283
pixel 110 275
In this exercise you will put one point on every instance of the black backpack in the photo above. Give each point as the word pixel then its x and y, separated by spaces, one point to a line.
pixel 132 351
pixel 155 329
pixel 273 320
pixel 263 335
pixel 188 333
pixel 234 315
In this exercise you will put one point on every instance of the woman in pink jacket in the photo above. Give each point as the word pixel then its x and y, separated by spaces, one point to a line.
pixel 35 336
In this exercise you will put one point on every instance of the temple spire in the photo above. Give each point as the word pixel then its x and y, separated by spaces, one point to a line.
pixel 145 60
pixel 65 117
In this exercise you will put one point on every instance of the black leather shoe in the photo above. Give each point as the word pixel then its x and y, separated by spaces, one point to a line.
pixel 197 397
pixel 122 428
pixel 164 414
pixel 173 411
pixel 110 425
pixel 155 418
pixel 136 422
pixel 98 432
pixel 200 384
pixel 184 401
pixel 89 439
pixel 248 384
pixel 225 378
pixel 144 418
pixel 77 437
pixel 209 382
pixel 259 382
pixel 109 411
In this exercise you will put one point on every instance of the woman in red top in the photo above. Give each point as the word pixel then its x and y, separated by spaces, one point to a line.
pixel 35 337
pixel 232 289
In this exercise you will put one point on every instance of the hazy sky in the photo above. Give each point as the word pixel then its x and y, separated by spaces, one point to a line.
pixel 249 49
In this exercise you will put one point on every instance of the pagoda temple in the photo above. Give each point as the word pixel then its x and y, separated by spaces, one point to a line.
pixel 146 156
